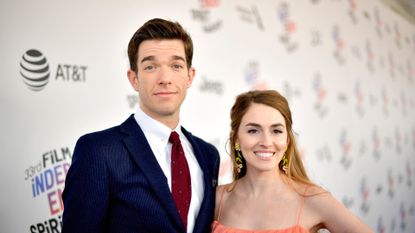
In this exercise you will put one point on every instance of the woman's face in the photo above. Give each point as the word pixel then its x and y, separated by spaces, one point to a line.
pixel 262 136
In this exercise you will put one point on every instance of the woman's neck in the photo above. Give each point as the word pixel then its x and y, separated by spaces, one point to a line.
pixel 258 185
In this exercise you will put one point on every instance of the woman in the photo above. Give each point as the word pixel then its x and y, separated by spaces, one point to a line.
pixel 271 191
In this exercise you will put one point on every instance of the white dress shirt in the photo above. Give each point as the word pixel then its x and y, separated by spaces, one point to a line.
pixel 157 135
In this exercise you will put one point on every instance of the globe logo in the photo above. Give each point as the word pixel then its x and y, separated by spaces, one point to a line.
pixel 34 69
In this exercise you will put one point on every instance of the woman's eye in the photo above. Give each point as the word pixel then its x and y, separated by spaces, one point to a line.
pixel 277 131
pixel 252 131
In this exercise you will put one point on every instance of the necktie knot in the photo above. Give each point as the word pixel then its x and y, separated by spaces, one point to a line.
pixel 174 138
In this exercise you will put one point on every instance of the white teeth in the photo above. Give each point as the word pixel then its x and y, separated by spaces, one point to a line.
pixel 264 154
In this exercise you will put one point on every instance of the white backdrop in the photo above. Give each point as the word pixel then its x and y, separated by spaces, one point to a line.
pixel 346 66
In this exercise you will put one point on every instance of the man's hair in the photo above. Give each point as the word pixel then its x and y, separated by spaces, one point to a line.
pixel 159 29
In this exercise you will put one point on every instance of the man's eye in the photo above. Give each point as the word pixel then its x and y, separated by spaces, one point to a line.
pixel 177 66
pixel 150 67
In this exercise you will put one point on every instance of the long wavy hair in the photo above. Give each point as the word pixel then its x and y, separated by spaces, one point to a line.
pixel 275 100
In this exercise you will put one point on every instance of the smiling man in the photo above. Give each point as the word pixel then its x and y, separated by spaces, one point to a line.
pixel 148 174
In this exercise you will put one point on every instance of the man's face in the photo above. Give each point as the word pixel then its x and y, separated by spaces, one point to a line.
pixel 162 78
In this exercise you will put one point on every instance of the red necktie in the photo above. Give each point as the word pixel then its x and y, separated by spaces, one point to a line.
pixel 180 176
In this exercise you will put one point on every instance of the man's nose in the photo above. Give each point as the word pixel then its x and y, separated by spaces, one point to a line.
pixel 164 75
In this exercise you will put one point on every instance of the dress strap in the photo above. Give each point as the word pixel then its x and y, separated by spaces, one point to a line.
pixel 220 202
pixel 302 204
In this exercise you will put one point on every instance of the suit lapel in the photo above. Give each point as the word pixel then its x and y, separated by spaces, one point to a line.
pixel 200 158
pixel 208 179
pixel 141 152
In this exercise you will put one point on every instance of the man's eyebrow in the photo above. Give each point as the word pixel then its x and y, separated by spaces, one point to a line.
pixel 176 57
pixel 152 58
pixel 148 58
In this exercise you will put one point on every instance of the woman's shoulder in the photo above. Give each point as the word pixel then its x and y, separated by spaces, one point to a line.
pixel 314 195
pixel 315 190
pixel 308 189
pixel 221 191
pixel 223 188
pixel 318 203
pixel 319 199
pixel 321 207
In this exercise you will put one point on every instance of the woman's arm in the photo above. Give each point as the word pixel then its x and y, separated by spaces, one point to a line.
pixel 335 216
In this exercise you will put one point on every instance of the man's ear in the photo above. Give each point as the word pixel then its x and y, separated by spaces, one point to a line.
pixel 133 78
pixel 191 76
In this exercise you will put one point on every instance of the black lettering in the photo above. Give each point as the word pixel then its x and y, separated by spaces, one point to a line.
pixel 53 224
pixel 66 152
pixel 83 68
pixel 47 228
pixel 59 73
pixel 33 229
pixel 56 157
pixel 67 67
pixel 75 74
pixel 71 72
pixel 40 228
pixel 45 157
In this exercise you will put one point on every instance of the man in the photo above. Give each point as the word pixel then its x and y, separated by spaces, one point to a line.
pixel 123 179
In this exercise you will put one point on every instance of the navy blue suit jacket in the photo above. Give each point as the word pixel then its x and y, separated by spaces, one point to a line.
pixel 115 184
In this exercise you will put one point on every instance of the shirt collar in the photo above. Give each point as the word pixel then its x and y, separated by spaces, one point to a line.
pixel 154 128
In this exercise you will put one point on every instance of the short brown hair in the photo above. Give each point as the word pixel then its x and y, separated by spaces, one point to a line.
pixel 159 29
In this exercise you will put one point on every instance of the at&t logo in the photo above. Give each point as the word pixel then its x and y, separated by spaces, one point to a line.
pixel 35 71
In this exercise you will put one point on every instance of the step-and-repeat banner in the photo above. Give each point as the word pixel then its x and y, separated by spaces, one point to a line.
pixel 347 68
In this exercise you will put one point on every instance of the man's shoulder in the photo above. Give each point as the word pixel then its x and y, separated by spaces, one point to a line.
pixel 193 137
pixel 103 135
pixel 199 141
pixel 100 138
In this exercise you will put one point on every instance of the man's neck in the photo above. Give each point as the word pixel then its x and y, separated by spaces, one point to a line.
pixel 170 121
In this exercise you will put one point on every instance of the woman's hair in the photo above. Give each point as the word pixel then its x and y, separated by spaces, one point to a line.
pixel 275 100
pixel 159 29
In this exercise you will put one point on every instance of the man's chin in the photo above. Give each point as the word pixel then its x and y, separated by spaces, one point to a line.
pixel 167 112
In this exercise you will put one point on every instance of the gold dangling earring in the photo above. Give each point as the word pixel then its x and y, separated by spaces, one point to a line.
pixel 284 164
pixel 238 158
